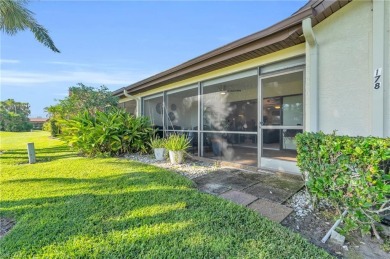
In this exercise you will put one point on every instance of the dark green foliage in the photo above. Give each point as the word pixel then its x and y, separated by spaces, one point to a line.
pixel 112 133
pixel 14 116
pixel 350 172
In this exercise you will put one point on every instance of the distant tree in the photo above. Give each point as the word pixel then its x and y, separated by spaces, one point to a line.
pixel 14 116
pixel 81 98
pixel 14 17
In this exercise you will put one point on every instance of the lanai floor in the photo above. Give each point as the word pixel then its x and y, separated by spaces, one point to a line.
pixel 262 192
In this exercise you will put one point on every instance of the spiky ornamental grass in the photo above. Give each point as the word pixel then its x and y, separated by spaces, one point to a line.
pixel 67 206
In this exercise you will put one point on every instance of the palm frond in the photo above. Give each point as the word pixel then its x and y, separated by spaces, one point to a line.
pixel 14 17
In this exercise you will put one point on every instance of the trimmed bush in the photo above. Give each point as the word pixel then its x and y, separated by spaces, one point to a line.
pixel 349 172
pixel 113 133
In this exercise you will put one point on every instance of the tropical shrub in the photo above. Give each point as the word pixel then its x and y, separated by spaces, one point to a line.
pixel 112 133
pixel 352 173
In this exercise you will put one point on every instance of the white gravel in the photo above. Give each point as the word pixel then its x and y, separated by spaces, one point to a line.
pixel 190 168
pixel 301 203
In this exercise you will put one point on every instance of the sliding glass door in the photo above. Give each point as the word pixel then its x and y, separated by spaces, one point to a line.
pixel 281 116
pixel 228 117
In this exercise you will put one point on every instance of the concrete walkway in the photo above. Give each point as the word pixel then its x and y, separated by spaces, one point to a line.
pixel 261 192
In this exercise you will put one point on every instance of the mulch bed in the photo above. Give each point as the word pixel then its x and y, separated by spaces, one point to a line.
pixel 314 223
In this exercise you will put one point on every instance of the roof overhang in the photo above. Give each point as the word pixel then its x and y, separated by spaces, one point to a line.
pixel 282 35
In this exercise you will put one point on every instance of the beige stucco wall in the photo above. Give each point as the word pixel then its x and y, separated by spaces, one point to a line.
pixel 344 46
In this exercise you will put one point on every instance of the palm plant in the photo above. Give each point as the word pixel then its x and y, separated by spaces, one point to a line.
pixel 14 17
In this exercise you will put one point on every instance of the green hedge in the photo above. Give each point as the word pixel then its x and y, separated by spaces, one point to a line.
pixel 349 172
pixel 107 133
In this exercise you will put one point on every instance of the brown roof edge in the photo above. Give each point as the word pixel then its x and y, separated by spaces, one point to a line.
pixel 314 9
pixel 38 119
pixel 288 22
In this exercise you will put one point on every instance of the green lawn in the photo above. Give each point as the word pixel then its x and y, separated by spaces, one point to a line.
pixel 70 206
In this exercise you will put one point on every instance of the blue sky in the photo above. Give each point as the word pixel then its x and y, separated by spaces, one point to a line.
pixel 117 43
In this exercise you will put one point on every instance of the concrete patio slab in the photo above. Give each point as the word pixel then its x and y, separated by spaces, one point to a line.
pixel 237 182
pixel 261 190
pixel 238 197
pixel 271 210
pixel 255 177
pixel 215 177
pixel 213 188
pixel 281 181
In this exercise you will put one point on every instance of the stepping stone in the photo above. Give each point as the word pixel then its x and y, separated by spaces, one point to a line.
pixel 274 211
pixel 238 197
pixel 261 190
pixel 214 189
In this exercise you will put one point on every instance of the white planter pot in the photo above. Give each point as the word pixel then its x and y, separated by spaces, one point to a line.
pixel 159 153
pixel 176 157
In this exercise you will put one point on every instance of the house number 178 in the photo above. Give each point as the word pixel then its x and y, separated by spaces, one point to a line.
pixel 377 78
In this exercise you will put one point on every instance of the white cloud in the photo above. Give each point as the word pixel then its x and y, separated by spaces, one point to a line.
pixel 65 63
pixel 9 61
pixel 21 78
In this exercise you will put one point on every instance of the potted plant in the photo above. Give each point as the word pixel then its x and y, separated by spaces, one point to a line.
pixel 177 145
pixel 158 146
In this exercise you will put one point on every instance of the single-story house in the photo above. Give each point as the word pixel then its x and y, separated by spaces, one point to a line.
pixel 38 122
pixel 326 67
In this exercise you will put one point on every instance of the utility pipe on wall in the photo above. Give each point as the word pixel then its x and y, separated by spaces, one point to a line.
pixel 378 62
pixel 312 83
pixel 129 95
pixel 137 99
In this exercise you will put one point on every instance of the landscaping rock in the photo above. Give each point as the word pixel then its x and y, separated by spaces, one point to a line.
pixel 337 238
pixel 190 168
pixel 385 230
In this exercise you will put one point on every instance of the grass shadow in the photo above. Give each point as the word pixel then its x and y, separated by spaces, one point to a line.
pixel 137 215
pixel 20 156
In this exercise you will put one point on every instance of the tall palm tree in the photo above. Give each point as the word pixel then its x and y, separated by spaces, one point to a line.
pixel 15 17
